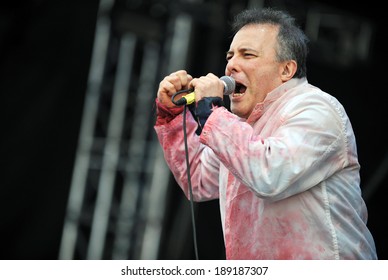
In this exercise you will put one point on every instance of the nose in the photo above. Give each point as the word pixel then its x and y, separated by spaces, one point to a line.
pixel 232 66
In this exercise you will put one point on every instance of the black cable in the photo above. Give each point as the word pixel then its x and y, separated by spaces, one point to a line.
pixel 189 182
pixel 183 100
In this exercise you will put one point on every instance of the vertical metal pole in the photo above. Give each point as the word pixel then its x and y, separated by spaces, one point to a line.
pixel 138 145
pixel 85 142
pixel 112 148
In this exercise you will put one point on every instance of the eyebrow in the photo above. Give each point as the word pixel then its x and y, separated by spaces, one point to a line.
pixel 242 50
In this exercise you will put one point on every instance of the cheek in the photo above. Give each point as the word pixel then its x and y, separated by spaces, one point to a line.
pixel 264 83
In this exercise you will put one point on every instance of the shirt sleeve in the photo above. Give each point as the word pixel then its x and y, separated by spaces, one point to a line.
pixel 164 114
pixel 204 165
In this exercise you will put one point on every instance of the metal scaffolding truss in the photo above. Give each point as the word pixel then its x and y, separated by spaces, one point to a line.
pixel 118 191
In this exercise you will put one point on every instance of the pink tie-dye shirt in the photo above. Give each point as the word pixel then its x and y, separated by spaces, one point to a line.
pixel 287 178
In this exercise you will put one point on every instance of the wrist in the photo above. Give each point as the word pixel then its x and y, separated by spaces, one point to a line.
pixel 166 114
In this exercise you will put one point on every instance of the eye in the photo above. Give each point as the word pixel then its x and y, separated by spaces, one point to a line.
pixel 248 55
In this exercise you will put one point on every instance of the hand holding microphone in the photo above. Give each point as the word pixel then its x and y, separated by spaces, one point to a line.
pixel 205 87
pixel 208 91
pixel 179 80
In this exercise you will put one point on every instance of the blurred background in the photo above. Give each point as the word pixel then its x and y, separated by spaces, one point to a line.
pixel 82 174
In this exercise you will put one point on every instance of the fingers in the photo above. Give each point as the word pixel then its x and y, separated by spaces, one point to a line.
pixel 174 82
pixel 204 80
pixel 180 79
pixel 207 86
pixel 171 84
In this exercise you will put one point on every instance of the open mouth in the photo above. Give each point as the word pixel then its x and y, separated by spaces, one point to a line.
pixel 240 89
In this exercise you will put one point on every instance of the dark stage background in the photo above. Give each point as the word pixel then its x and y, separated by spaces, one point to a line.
pixel 45 54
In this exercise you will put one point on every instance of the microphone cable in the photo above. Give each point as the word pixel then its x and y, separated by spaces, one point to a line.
pixel 188 169
pixel 229 88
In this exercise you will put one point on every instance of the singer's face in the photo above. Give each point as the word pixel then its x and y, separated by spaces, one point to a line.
pixel 251 61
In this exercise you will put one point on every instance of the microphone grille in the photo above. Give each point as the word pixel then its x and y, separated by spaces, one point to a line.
pixel 230 84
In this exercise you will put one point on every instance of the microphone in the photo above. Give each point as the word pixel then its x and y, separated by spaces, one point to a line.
pixel 229 87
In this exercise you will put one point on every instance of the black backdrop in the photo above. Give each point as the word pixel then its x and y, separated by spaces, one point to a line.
pixel 45 51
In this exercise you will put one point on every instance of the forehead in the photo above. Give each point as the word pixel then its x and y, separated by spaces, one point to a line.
pixel 255 35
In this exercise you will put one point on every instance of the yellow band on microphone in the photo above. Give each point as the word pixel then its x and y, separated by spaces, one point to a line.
pixel 190 98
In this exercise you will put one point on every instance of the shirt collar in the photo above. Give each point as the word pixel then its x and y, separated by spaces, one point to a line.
pixel 274 95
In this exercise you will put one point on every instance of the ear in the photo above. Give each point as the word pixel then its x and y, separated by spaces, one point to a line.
pixel 288 70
